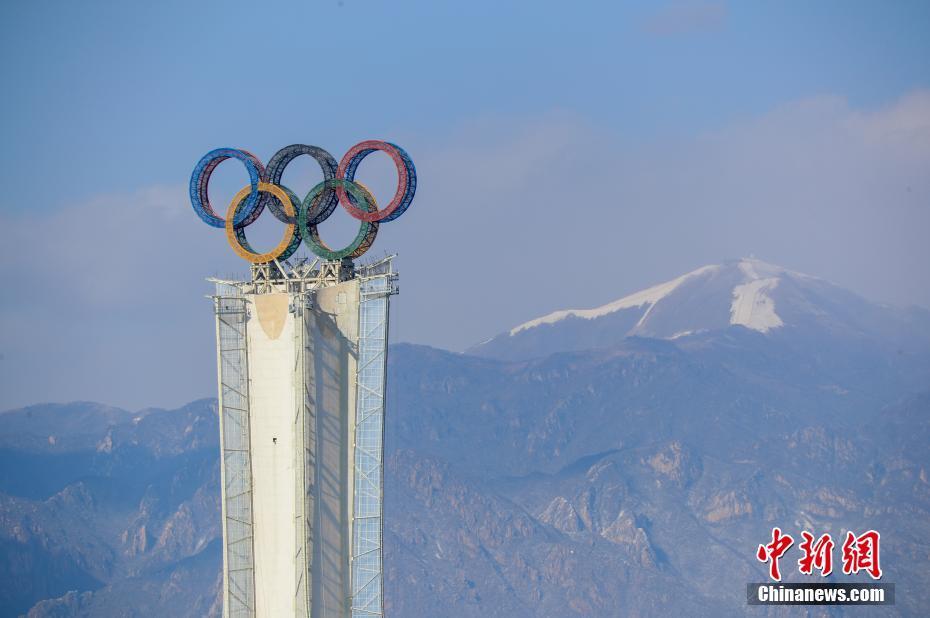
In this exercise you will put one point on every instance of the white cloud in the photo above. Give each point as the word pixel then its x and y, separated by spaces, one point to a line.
pixel 119 249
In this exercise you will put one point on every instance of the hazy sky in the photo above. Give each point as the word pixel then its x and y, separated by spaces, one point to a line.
pixel 568 154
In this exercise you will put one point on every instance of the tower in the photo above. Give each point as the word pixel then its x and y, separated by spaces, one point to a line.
pixel 301 359
pixel 301 355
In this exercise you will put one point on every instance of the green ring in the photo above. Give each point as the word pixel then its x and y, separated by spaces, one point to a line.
pixel 366 231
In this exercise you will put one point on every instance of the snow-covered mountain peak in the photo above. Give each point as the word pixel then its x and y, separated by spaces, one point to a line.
pixel 751 304
pixel 755 268
pixel 746 292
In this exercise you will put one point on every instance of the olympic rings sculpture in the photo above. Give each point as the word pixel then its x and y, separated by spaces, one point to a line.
pixel 301 218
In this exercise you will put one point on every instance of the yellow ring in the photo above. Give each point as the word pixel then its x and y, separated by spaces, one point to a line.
pixel 251 256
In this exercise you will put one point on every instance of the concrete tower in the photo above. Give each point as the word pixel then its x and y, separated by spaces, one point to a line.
pixel 301 358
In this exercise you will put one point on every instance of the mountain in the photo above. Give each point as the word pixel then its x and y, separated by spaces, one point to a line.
pixel 121 508
pixel 748 293
pixel 636 476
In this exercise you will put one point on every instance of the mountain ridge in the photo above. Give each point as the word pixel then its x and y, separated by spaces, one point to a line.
pixel 635 476
pixel 747 293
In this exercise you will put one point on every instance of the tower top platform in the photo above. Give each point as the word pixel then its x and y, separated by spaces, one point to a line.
pixel 305 274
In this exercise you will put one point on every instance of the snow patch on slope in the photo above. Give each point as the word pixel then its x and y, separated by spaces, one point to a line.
pixel 685 333
pixel 648 296
pixel 752 307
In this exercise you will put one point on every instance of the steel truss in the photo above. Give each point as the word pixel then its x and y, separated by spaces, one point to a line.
pixel 236 468
pixel 367 527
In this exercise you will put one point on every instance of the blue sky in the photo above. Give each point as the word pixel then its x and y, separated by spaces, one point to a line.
pixel 646 139
pixel 116 95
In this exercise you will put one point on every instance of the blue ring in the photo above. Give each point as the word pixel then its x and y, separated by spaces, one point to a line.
pixel 200 178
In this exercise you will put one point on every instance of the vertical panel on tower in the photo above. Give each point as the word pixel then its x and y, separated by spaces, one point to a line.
pixel 303 424
pixel 330 358
pixel 272 356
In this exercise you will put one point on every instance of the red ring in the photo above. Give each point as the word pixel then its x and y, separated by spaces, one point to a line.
pixel 370 146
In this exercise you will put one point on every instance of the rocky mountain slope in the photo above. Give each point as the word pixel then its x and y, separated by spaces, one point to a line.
pixel 636 477
pixel 120 508
pixel 639 480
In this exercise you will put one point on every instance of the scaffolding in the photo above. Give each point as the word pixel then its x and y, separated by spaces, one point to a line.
pixel 236 468
pixel 367 529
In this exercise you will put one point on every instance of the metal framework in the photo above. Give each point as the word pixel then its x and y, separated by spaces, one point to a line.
pixel 300 280
pixel 236 468
pixel 367 529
